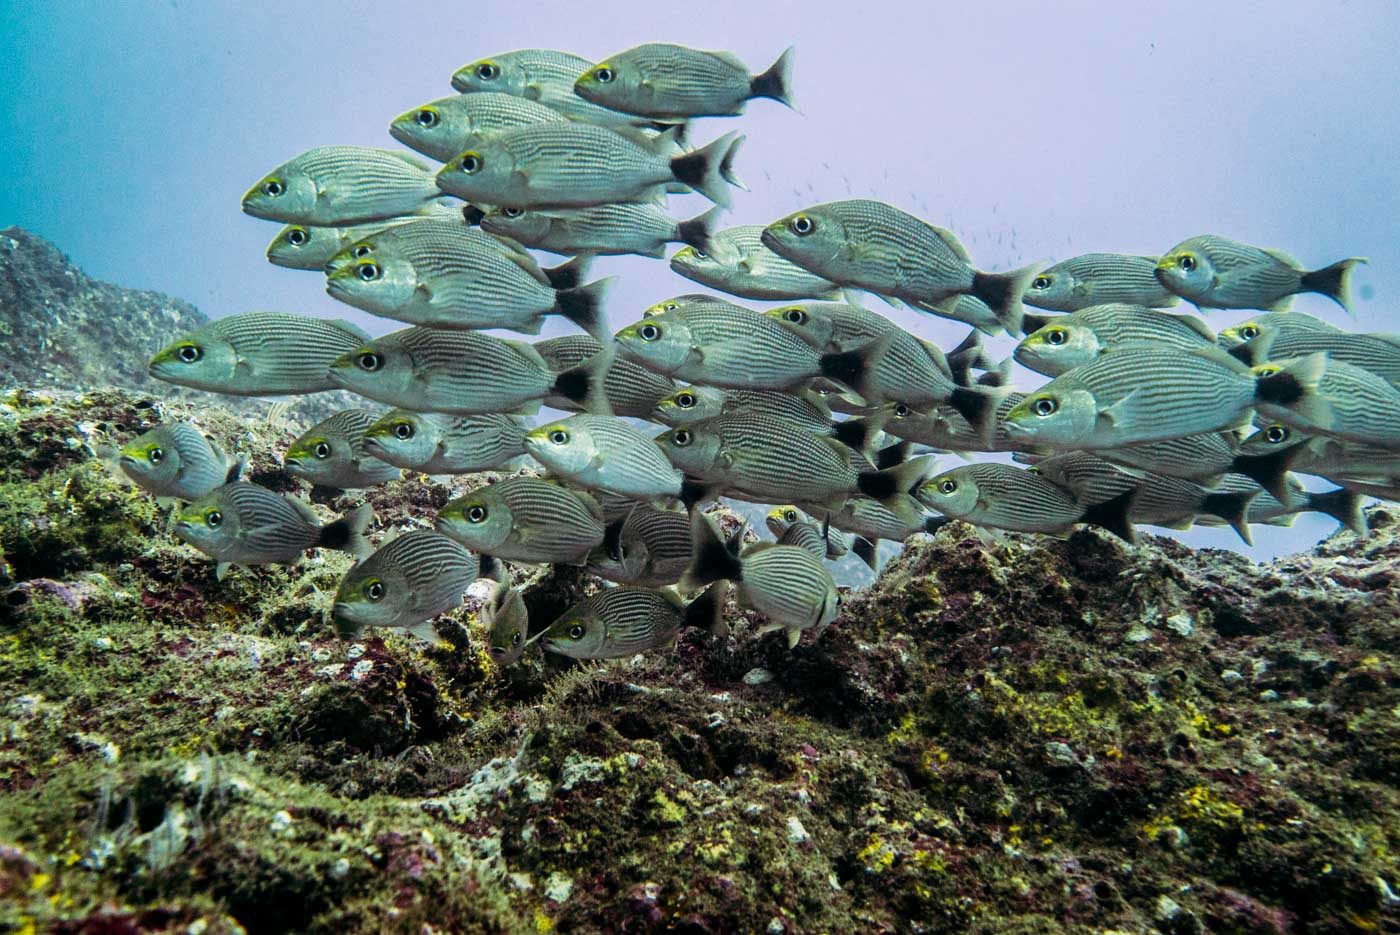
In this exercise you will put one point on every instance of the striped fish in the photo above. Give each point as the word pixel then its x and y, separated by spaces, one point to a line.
pixel 1342 504
pixel 443 128
pixel 632 389
pixel 1064 342
pixel 435 231
pixel 337 185
pixel 309 247
pixel 782 520
pixel 462 373
pixel 615 506
pixel 441 444
pixel 616 623
pixel 258 354
pixel 578 165
pixel 870 521
pixel 944 428
pixel 543 75
pixel 691 404
pixel 1099 279
pixel 659 80
pixel 874 246
pixel 1270 321
pixel 525 519
pixel 648 547
pixel 406 583
pixel 1210 271
pixel 176 460
pixel 332 453
pixel 507 623
pixel 787 584
pixel 737 262
pixel 1003 496
pixel 244 524
pixel 1378 353
pixel 604 453
pixel 604 230
pixel 1332 458
pixel 1347 402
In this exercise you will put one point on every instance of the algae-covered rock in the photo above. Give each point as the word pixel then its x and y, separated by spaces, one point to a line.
pixel 1030 735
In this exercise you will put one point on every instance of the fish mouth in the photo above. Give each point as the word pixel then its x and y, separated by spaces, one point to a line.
pixel 343 610
pixel 291 462
pixel 1016 428
pixel 127 461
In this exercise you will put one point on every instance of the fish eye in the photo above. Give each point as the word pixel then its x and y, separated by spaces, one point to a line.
pixel 1056 336
pixel 403 430
pixel 948 486
pixel 698 253
pixel 476 513
pixel 795 315
pixel 604 75
pixel 670 306
pixel 515 639
pixel 361 251
pixel 685 400
pixel 513 212
pixel 369 272
pixel 297 237
pixel 649 332
pixel 1249 332
pixel 322 450
pixel 900 410
pixel 802 225
pixel 681 437
pixel 1044 406
pixel 559 437
pixel 213 518
pixel 1275 434
pixel 369 361
pixel 576 632
pixel 427 118
pixel 1040 282
pixel 1187 262
pixel 374 589
pixel 790 516
pixel 487 71
pixel 155 455
pixel 189 353
pixel 273 187
pixel 471 163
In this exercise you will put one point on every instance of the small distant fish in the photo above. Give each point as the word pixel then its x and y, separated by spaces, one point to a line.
pixel 577 165
pixel 258 354
pixel 662 81
pixel 1343 401
pixel 244 524
pixel 787 584
pixel 782 520
pixel 441 444
pixel 736 261
pixel 874 246
pixel 337 185
pixel 602 452
pixel 1099 279
pixel 619 622
pixel 1063 342
pixel 525 519
pixel 177 460
pixel 332 453
pixel 1215 272
pixel 405 584
pixel 441 129
pixel 1003 496
pixel 631 389
pixel 507 623
pixel 648 547
pixel 1280 322
pixel 309 247
pixel 462 373
pixel 542 75
pixel 606 230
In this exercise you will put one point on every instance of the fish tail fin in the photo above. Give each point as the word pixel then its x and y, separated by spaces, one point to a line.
pixel 1255 351
pixel 711 559
pixel 978 405
pixel 707 610
pixel 998 376
pixel 888 485
pixel 1233 508
pixel 472 215
pixel 1031 322
pixel 861 434
pixel 492 568
pixel 893 455
pixel 1115 515
pixel 708 169
pixel 1334 282
pixel 584 307
pixel 855 368
pixel 584 384
pixel 347 534
pixel 1002 292
pixel 1344 506
pixel 970 354
pixel 567 275
pixel 694 492
pixel 1294 386
pixel 1269 471
pixel 698 230
pixel 867 551
pixel 776 82
pixel 236 469
pixel 934 523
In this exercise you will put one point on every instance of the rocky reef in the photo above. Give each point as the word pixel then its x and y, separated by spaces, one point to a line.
pixel 1028 735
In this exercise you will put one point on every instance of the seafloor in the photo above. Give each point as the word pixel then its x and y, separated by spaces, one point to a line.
pixel 1030 736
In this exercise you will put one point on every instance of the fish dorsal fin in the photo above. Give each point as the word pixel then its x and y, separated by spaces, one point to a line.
pixel 1281 256
pixel 351 327
pixel 1197 325
pixel 304 508
pixel 408 158
pixel 730 59
pixel 595 509
pixel 954 244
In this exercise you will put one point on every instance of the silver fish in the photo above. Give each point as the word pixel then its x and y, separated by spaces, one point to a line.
pixel 870 521
pixel 1202 458
pixel 663 81
pixel 405 584
pixel 783 520
pixel 648 547
pixel 1099 279
pixel 945 429
pixel 177 460
pixel 1279 322
pixel 632 390
pixel 691 404
pixel 507 624
pixel 332 453
pixel 244 524
pixel 337 185
pixel 525 519
pixel 1378 353
pixel 1345 401
pixel 543 75
pixel 309 247
pixel 1064 342
pixel 441 444
pixel 1210 271
pixel 1332 458
pixel 258 354
pixel 443 128
pixel 1003 496
pixel 736 261
pixel 606 453
pixel 619 622
pixel 613 229
pixel 450 229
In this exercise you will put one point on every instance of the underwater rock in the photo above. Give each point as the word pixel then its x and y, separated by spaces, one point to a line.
pixel 972 746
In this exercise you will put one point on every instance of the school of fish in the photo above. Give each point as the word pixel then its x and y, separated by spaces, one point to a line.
pixel 817 406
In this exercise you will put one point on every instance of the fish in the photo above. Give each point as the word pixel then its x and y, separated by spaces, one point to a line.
pixel 1344 401
pixel 433 443
pixel 1270 321
pixel 869 521
pixel 1378 353
pixel 546 76
pixel 605 230
pixel 943 428
pixel 1064 342
pixel 631 389
pixel 1099 279
pixel 877 247
pixel 736 261
pixel 408 581
pixel 1210 271
pixel 449 230
pixel 525 519
pixel 578 165
pixel 1143 394
pixel 243 524
pixel 177 460
pixel 1342 504
pixel 443 128
pixel 970 310
pixel 602 452
pixel 691 404
pixel 619 622
pixel 507 624
pixel 309 247
pixel 787 584
pixel 659 80
pixel 782 520
pixel 648 547
pixel 258 354
pixel 455 282
pixel 1003 496
pixel 1336 459
pixel 1204 458
pixel 463 373
pixel 332 453
pixel 338 185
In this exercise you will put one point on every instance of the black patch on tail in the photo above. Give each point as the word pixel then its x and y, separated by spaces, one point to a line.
pixel 1031 323
pixel 867 552
pixel 581 306
pixel 997 290
pixel 692 168
pixel 574 384
pixel 1342 505
pixel 1244 354
pixel 566 275
pixel 235 471
pixel 1113 515
pixel 934 523
pixel 849 367
pixel 337 535
pixel 713 561
pixel 853 433
pixel 1269 471
pixel 695 232
pixel 1330 280
pixel 472 215
pixel 612 539
pixel 1279 389
pixel 693 492
pixel 893 455
pixel 973 406
pixel 707 611
pixel 489 566
pixel 1233 508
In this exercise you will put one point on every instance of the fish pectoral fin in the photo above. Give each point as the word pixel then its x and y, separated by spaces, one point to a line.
pixel 221 570
pixel 532 91
pixel 425 630
pixel 794 636
pixel 1122 411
